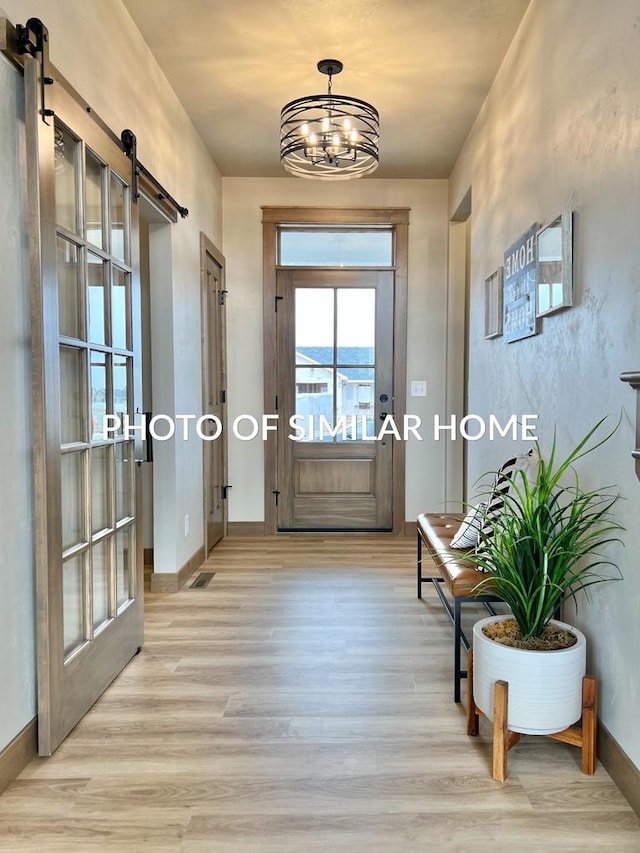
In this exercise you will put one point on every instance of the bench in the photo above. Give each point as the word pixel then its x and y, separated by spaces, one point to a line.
pixel 460 577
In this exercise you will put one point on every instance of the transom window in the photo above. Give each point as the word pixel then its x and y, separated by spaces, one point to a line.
pixel 329 246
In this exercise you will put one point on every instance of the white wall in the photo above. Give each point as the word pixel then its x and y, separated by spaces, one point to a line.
pixel 242 199
pixel 17 600
pixel 100 51
pixel 561 129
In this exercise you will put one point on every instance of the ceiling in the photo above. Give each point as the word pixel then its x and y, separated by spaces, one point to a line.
pixel 426 65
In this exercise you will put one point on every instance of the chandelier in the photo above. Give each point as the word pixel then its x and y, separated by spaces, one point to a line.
pixel 329 137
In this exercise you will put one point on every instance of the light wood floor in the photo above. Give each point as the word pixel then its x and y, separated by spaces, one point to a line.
pixel 303 702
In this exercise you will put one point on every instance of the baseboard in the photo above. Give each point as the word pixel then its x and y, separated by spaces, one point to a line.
pixel 245 528
pixel 17 754
pixel 410 528
pixel 173 581
pixel 620 767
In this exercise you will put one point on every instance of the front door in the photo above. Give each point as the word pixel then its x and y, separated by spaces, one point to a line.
pixel 86 344
pixel 335 389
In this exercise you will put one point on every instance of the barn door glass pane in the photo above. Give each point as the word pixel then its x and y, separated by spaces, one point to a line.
pixel 96 270
pixel 124 480
pixel 100 567
pixel 72 396
pixel 120 310
pixel 124 562
pixel 69 289
pixel 66 179
pixel 73 598
pixel 100 489
pixel 99 394
pixel 94 202
pixel 121 385
pixel 73 499
pixel 118 224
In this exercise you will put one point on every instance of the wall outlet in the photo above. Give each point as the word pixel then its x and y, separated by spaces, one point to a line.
pixel 418 389
pixel 186 526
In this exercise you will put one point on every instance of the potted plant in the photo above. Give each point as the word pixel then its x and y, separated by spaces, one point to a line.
pixel 541 546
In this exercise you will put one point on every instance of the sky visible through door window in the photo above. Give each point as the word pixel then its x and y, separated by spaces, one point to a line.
pixel 314 317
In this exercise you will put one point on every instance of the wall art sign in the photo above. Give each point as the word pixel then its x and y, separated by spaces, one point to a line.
pixel 519 309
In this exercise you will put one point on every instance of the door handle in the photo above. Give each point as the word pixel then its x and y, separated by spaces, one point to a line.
pixel 383 415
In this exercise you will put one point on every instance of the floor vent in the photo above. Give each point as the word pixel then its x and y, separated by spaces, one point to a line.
pixel 202 580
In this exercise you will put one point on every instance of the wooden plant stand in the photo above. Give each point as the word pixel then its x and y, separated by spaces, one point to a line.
pixel 582 734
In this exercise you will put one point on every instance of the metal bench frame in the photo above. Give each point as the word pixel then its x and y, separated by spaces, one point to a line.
pixel 454 612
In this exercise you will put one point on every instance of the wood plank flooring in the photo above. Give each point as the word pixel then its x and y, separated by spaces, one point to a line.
pixel 302 702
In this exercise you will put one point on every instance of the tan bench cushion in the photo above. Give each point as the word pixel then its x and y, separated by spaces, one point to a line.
pixel 459 574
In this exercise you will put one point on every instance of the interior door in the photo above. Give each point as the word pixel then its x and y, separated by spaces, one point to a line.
pixel 335 377
pixel 86 344
pixel 214 392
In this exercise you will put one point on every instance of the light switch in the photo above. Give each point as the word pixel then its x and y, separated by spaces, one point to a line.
pixel 418 389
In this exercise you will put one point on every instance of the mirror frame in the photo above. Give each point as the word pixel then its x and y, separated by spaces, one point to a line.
pixel 565 222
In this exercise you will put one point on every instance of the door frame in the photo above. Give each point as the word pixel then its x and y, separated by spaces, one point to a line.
pixel 208 248
pixel 272 218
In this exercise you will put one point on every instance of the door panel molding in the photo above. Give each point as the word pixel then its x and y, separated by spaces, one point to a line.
pixel 273 217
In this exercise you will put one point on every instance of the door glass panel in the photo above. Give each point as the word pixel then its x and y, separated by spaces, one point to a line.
pixel 124 563
pixel 120 309
pixel 120 385
pixel 72 503
pixel 96 269
pixel 71 395
pixel 124 480
pixel 100 564
pixel 118 242
pixel 314 398
pixel 356 326
pixel 66 187
pixel 99 394
pixel 314 325
pixel 73 602
pixel 336 248
pixel 94 200
pixel 355 402
pixel 100 496
pixel 69 290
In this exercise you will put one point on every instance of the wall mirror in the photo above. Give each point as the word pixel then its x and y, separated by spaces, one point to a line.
pixel 493 304
pixel 554 265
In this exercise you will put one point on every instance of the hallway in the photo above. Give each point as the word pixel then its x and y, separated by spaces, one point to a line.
pixel 301 702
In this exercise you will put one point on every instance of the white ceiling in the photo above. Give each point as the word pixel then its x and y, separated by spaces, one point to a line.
pixel 426 65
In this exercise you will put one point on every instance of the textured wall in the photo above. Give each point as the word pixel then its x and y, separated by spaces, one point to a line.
pixel 561 129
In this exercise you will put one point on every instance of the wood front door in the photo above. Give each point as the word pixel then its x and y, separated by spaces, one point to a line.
pixel 86 363
pixel 335 378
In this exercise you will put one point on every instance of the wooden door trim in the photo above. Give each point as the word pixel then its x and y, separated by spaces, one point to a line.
pixel 208 248
pixel 335 215
pixel 272 217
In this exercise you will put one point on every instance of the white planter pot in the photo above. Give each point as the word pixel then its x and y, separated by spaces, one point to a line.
pixel 545 687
